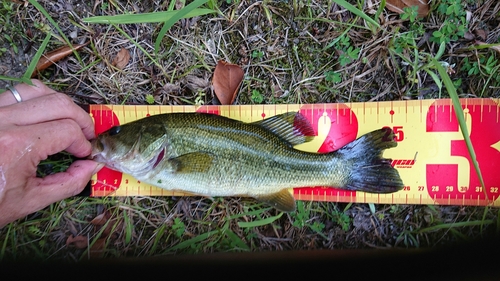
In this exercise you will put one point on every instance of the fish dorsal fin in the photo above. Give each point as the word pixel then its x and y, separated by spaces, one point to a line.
pixel 282 200
pixel 192 162
pixel 293 127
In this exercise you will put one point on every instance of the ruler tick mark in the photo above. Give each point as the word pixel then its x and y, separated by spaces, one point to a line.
pixel 391 112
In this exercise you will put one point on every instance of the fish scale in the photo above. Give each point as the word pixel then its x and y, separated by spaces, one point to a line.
pixel 431 156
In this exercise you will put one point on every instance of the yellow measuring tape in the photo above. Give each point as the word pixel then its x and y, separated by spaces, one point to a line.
pixel 431 155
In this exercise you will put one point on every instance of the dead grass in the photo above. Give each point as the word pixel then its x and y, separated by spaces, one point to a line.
pixel 287 50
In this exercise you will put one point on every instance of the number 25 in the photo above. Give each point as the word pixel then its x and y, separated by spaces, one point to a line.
pixel 399 135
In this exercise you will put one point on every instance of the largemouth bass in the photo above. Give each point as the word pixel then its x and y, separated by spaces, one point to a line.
pixel 211 155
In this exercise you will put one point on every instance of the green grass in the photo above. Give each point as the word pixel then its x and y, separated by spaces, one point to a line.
pixel 372 24
pixel 154 17
pixel 169 18
pixel 460 117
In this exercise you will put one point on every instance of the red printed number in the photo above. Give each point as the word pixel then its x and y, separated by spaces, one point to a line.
pixel 399 135
pixel 484 134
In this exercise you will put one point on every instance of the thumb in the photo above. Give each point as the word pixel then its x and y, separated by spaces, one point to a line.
pixel 41 192
pixel 62 185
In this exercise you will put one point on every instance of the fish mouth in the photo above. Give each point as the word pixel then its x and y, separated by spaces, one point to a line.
pixel 99 154
pixel 97 148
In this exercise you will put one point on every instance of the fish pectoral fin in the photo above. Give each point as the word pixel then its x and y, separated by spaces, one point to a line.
pixel 293 127
pixel 192 162
pixel 282 200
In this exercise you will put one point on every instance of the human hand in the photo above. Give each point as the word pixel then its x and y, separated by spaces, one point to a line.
pixel 44 123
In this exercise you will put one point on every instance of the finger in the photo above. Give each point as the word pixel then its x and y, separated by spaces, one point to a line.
pixel 26 91
pixel 55 136
pixel 56 187
pixel 48 108
pixel 44 139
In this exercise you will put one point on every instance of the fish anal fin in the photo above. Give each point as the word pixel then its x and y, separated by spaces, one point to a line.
pixel 292 127
pixel 282 200
pixel 192 162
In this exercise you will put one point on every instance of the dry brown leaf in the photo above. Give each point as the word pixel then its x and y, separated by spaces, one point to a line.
pixel 196 84
pixel 112 225
pixel 121 59
pixel 481 33
pixel 226 81
pixel 97 248
pixel 100 219
pixel 397 6
pixel 179 4
pixel 170 88
pixel 79 242
pixel 54 56
pixel 469 36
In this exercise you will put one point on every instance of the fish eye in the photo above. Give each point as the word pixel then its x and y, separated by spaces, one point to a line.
pixel 114 130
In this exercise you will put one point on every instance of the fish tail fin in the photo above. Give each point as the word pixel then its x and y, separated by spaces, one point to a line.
pixel 370 171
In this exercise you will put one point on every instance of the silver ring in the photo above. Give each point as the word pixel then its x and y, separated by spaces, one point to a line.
pixel 15 93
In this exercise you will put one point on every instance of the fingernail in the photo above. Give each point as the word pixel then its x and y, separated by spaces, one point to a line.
pixel 98 168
